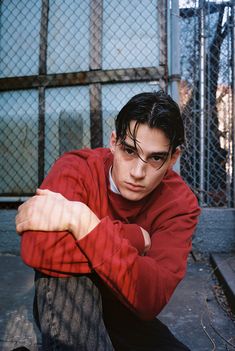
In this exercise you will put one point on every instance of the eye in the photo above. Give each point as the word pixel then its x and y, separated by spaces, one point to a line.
pixel 157 161
pixel 129 151
pixel 157 158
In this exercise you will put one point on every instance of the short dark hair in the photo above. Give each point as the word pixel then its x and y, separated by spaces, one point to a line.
pixel 157 110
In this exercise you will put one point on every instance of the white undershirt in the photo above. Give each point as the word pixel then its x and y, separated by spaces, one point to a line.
pixel 113 186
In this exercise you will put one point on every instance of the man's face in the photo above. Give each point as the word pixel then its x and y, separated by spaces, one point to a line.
pixel 138 170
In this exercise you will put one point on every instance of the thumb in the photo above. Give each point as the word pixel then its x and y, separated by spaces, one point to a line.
pixel 19 228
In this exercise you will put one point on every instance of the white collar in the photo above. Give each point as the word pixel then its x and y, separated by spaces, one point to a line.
pixel 113 186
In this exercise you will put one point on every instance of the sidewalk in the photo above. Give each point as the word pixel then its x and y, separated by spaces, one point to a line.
pixel 194 314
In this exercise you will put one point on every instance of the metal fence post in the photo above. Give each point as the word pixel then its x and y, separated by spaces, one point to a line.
pixel 233 102
pixel 96 126
pixel 202 99
pixel 174 56
pixel 41 90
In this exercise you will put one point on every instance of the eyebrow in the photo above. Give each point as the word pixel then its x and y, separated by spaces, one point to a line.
pixel 154 153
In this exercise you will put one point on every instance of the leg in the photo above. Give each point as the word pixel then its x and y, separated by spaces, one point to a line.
pixel 129 333
pixel 146 336
pixel 68 312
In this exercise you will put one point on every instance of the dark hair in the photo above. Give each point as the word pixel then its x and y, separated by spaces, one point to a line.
pixel 157 110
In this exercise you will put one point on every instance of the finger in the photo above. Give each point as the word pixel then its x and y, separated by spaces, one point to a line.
pixel 18 229
pixel 47 192
pixel 20 207
pixel 42 191
pixel 26 203
pixel 17 218
pixel 21 227
pixel 27 223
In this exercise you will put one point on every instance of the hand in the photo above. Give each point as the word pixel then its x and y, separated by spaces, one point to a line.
pixel 50 211
pixel 147 240
pixel 46 211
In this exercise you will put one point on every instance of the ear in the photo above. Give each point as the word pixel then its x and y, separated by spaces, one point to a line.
pixel 113 141
pixel 174 157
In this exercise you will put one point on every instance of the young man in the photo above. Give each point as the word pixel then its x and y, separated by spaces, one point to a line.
pixel 119 226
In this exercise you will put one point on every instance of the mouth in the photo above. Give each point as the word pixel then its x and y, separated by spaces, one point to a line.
pixel 134 187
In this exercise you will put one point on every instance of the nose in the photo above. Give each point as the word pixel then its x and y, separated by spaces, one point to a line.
pixel 138 170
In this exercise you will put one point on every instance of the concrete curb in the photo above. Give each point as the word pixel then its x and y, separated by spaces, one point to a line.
pixel 224 268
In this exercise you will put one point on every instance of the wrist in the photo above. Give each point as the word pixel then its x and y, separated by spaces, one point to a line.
pixel 74 214
pixel 82 220
pixel 147 240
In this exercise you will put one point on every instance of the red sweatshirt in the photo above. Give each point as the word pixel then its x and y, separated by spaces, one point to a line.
pixel 113 249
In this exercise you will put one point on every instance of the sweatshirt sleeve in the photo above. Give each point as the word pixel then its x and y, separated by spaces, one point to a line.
pixel 143 283
pixel 57 252
pixel 133 233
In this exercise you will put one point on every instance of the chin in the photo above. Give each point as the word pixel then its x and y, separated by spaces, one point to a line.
pixel 132 196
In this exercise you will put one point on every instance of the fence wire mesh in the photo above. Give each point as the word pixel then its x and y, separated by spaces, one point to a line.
pixel 67 67
pixel 207 65
pixel 70 53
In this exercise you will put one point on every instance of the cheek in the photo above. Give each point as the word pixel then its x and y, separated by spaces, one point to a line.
pixel 122 166
pixel 155 179
pixel 119 170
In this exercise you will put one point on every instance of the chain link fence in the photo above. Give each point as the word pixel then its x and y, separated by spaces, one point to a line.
pixel 206 89
pixel 67 67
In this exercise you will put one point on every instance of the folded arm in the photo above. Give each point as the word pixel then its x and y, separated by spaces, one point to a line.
pixel 50 211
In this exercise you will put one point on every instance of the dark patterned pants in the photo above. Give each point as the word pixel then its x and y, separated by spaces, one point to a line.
pixel 72 316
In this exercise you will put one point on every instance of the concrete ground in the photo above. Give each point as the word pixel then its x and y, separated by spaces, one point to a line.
pixel 198 313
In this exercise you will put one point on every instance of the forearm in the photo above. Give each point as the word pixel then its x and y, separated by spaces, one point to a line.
pixel 81 220
pixel 53 253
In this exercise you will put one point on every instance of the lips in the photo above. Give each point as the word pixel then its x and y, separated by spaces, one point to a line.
pixel 134 187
